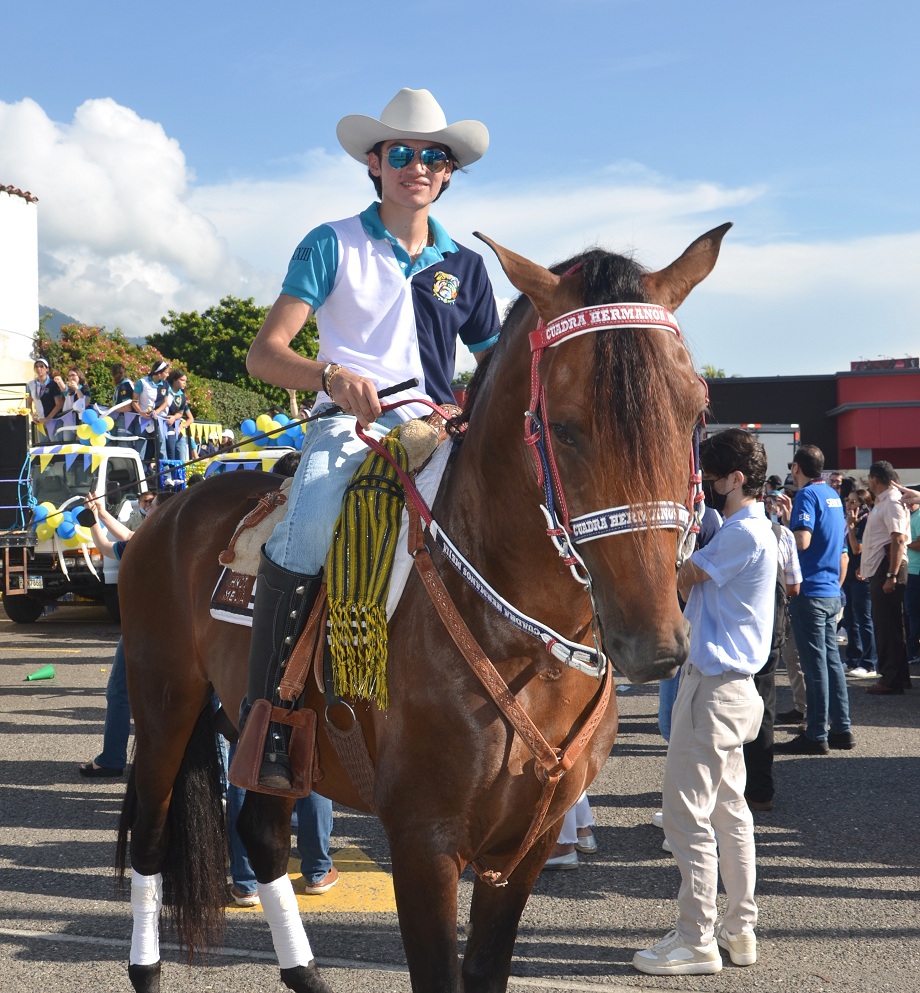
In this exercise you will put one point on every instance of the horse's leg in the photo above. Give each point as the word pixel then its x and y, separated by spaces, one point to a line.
pixel 264 826
pixel 186 732
pixel 494 917
pixel 425 883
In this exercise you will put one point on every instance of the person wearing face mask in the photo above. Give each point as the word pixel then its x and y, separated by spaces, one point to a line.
pixel 728 587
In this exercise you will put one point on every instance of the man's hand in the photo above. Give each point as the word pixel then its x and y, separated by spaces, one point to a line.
pixel 355 395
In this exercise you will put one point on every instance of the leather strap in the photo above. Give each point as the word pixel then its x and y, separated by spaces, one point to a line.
pixel 311 641
pixel 552 762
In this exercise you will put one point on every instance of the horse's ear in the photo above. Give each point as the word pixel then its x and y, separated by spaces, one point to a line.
pixel 550 294
pixel 670 287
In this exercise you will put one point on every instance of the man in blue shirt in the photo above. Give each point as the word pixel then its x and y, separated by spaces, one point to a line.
pixel 729 590
pixel 820 528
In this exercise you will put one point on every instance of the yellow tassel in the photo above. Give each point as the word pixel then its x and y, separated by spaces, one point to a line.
pixel 358 573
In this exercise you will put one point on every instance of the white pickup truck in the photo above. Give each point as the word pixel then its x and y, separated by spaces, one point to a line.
pixel 55 572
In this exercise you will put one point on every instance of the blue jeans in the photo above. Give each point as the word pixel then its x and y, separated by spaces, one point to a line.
pixel 667 694
pixel 314 829
pixel 114 754
pixel 857 619
pixel 814 624
pixel 331 453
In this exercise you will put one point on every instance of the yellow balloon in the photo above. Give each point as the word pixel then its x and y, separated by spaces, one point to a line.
pixel 108 422
pixel 83 534
pixel 84 432
pixel 72 542
pixel 43 531
pixel 264 422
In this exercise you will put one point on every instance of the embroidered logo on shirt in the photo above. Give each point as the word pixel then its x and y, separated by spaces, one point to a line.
pixel 446 287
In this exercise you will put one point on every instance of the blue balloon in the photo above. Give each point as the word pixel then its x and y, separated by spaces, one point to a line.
pixel 39 513
pixel 281 419
pixel 262 442
pixel 89 416
pixel 67 515
pixel 66 529
pixel 248 426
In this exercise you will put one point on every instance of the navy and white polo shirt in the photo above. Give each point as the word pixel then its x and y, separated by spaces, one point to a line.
pixel 385 317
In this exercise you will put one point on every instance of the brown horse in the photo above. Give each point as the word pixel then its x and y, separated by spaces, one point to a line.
pixel 454 784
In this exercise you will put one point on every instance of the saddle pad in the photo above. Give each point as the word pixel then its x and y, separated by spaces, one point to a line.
pixel 234 595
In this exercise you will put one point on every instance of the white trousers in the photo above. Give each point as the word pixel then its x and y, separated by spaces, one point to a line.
pixel 579 816
pixel 703 797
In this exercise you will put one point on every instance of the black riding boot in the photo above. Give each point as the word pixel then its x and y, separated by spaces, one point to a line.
pixel 283 603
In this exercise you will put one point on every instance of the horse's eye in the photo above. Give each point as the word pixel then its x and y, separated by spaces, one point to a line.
pixel 562 434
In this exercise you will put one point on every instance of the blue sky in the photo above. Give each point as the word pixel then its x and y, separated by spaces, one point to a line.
pixel 180 151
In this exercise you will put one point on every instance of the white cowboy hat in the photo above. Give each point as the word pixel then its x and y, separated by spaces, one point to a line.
pixel 413 114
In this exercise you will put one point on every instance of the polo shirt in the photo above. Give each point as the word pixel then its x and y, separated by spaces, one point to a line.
pixel 887 517
pixel 385 317
pixel 731 613
pixel 817 509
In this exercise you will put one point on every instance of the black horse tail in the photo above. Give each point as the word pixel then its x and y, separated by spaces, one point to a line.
pixel 194 865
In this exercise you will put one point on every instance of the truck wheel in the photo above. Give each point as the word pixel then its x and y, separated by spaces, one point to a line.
pixel 110 598
pixel 22 609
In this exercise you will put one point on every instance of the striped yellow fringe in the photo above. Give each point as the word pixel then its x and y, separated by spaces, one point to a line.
pixel 358 575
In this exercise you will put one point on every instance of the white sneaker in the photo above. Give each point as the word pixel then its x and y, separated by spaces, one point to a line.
pixel 658 819
pixel 857 672
pixel 672 956
pixel 742 948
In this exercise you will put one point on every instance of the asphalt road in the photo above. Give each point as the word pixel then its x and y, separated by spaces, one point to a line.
pixel 838 858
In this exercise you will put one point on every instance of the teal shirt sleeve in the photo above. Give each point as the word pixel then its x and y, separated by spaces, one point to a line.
pixel 311 271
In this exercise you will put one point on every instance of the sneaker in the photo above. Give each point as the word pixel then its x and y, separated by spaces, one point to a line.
pixel 858 672
pixel 801 744
pixel 324 885
pixel 567 861
pixel 672 956
pixel 841 739
pixel 789 717
pixel 741 948
pixel 658 819
pixel 242 899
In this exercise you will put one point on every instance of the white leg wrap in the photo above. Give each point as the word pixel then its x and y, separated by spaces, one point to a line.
pixel 279 905
pixel 146 903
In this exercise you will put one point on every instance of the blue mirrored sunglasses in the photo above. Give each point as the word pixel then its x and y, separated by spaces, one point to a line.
pixel 399 156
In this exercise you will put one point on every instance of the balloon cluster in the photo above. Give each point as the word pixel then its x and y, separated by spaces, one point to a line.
pixel 94 427
pixel 290 438
pixel 50 522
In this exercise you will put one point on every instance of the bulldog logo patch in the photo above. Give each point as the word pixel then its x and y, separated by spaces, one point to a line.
pixel 446 287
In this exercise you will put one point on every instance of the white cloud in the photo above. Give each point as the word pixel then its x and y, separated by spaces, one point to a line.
pixel 126 234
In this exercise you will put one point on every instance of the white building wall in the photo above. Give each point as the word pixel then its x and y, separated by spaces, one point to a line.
pixel 18 290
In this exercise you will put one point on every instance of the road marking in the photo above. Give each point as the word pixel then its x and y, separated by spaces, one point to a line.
pixel 29 650
pixel 363 888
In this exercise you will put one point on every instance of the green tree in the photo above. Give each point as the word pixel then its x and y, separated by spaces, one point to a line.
pixel 215 343
pixel 711 372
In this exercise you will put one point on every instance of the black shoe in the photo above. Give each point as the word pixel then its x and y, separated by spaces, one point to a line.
pixel 789 717
pixel 275 771
pixel 801 744
pixel 841 739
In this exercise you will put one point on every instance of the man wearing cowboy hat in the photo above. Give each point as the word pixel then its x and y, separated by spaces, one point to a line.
pixel 392 292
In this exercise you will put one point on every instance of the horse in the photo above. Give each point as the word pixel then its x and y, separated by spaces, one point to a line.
pixel 610 405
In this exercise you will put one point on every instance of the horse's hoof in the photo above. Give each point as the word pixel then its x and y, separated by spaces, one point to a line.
pixel 145 978
pixel 305 979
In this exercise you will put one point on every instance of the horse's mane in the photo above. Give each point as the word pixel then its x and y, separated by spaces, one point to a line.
pixel 640 397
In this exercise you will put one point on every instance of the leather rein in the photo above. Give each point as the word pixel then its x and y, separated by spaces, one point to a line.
pixel 550 763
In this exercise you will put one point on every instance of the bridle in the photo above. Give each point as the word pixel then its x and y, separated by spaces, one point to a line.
pixel 567 532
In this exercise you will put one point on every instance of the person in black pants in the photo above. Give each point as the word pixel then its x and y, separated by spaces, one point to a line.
pixel 758 754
